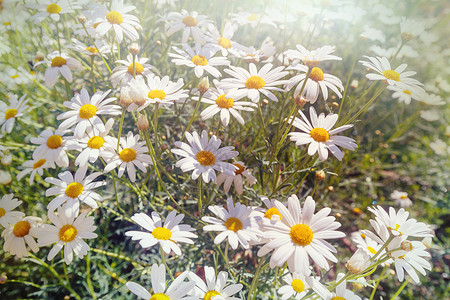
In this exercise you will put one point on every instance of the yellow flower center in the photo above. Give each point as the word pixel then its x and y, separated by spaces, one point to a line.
pixel 210 294
pixel 162 233
pixel 93 50
pixel 53 8
pixel 316 74
pixel 87 111
pixel 338 298
pixel 223 102
pixel 298 285
pixel 391 74
pixel 58 61
pixel 189 21
pixel 159 94
pixel 272 211
pixel 6 23
pixel 10 113
pixel 205 158
pixel 233 224
pixel 396 227
pixel 320 135
pixel 224 42
pixel 255 82
pixel 67 233
pixel 54 141
pixel 403 197
pixel 138 68
pixel 21 228
pixel 199 60
pixel 252 17
pixel 407 92
pixel 114 17
pixel 15 76
pixel 39 163
pixel 240 169
pixel 127 154
pixel 301 234
pixel 371 250
pixel 2 212
pixel 74 189
pixel 160 296
pixel 406 36
pixel 96 142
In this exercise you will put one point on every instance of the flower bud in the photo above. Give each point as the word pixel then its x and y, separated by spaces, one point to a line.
pixel 354 84
pixel 406 246
pixel 82 19
pixel 5 177
pixel 203 85
pixel 134 49
pixel 300 101
pixel 6 160
pixel 39 57
pixel 320 175
pixel 3 279
pixel 142 122
pixel 358 262
pixel 125 99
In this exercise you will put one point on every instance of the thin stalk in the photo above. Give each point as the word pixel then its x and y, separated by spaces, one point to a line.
pixel 377 284
pixel 163 259
pixel 400 289
pixel 120 129
pixel 193 116
pixel 200 192
pixel 88 276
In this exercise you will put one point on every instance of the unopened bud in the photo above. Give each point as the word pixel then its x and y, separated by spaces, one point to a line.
pixel 203 85
pixel 66 297
pixel 406 36
pixel 125 99
pixel 5 177
pixel 3 279
pixel 300 101
pixel 334 104
pixel 177 274
pixel 357 210
pixel 134 49
pixel 6 160
pixel 320 175
pixel 427 242
pixel 265 102
pixel 354 84
pixel 158 42
pixel 39 57
pixel 406 246
pixel 331 188
pixel 82 19
pixel 338 215
pixel 358 262
pixel 142 122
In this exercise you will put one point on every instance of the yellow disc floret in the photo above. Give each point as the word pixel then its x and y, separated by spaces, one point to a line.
pixel 39 163
pixel 21 229
pixel 239 170
pixel 316 74
pixel 255 82
pixel 127 154
pixel 338 298
pixel 67 233
pixel 58 61
pixel 10 113
pixel 87 111
pixel 159 296
pixel 224 42
pixel 301 234
pixel 210 294
pixel 252 18
pixel 272 211
pixel 138 68
pixel 92 50
pixel 320 135
pixel 205 158
pixel 223 102
pixel 190 21
pixel 54 141
pixel 2 212
pixel 157 94
pixel 162 233
pixel 391 74
pixel 199 60
pixel 233 224
pixel 114 17
pixel 74 189
pixel 53 8
pixel 96 142
pixel 298 285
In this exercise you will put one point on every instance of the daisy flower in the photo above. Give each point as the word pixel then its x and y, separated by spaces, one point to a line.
pixel 215 287
pixel 168 235
pixel 60 63
pixel 312 58
pixel 9 113
pixel 401 199
pixel 222 41
pixel 90 49
pixel 226 106
pixel 393 77
pixel 240 172
pixel 271 212
pixel 406 93
pixel 190 23
pixel 93 144
pixel 118 20
pixel 53 9
pixel 234 223
pixel 263 54
pixel 178 289
pixel 20 234
pixel 319 136
pixel 71 190
pixel 68 232
pixel 124 73
pixel 52 146
pixel 410 257
pixel 301 234
pixel 359 262
pixel 252 83
pixel 342 292
pixel 7 215
pixel 36 165
pixel 131 154
pixel 298 285
pixel 200 58
pixel 204 156
pixel 252 19
pixel 85 111
pixel 410 29
pixel 365 243
pixel 317 81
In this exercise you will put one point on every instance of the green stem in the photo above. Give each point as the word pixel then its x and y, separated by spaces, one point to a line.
pixel 88 276
pixel 400 288
pixel 376 285
pixel 120 129
pixel 193 116
pixel 163 259
pixel 200 192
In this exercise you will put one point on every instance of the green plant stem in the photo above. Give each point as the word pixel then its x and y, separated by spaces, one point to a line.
pixel 400 289
pixel 120 129
pixel 250 295
pixel 193 116
pixel 163 259
pixel 200 192
pixel 88 276
pixel 376 285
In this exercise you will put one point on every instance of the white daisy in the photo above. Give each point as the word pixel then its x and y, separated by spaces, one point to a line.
pixel 131 154
pixel 9 113
pixel 52 146
pixel 7 215
pixel 51 8
pixel 431 99
pixel 252 83
pixel 410 29
pixel 190 23
pixel 240 172
pixel 235 223
pixel 85 112
pixel 60 63
pixel 222 41
pixel 68 232
pixel 200 58
pixel 301 234
pixel 168 235
pixel 252 19
pixel 406 93
pixel 71 190
pixel 215 287
pixel 401 199
pixel 178 289
pixel 264 54
pixel 124 73
pixel 319 136
pixel 118 20
pixel 221 103
pixel 317 79
pixel 271 213
pixel 312 58
pixel 20 234
pixel 342 292
pixel 204 156
pixel 298 285
pixel 91 49
pixel 393 77
pixel 366 244
pixel 36 165
pixel 359 262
